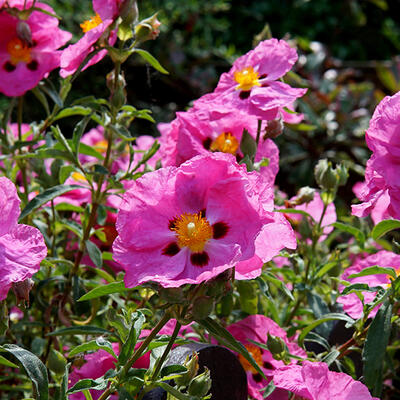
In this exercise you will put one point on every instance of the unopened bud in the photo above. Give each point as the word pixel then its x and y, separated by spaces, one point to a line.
pixel 325 175
pixel 192 366
pixel 24 32
pixel 276 345
pixel 172 295
pixel 129 11
pixel 202 307
pixel 304 195
pixel 56 362
pixel 201 384
pixel 273 129
pixel 343 174
pixel 147 29
pixel 22 289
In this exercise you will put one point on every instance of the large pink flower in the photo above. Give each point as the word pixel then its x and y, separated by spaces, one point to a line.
pixel 257 328
pixel 314 381
pixel 381 175
pixel 252 83
pixel 352 305
pixel 189 224
pixel 22 247
pixel 200 131
pixel 28 49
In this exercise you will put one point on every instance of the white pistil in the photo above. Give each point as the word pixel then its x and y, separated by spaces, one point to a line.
pixel 191 226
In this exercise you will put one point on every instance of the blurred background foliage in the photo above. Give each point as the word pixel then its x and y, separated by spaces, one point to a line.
pixel 347 58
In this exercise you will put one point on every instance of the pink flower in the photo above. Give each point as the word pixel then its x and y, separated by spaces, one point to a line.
pixel 381 176
pixel 252 83
pixel 28 48
pixel 94 29
pixel 352 305
pixel 189 224
pixel 201 131
pixel 314 381
pixel 96 365
pixel 257 328
pixel 22 247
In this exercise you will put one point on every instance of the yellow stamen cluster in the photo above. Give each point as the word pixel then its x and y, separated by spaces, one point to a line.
pixel 78 177
pixel 19 51
pixel 193 231
pixel 256 354
pixel 91 23
pixel 246 78
pixel 225 142
pixel 101 146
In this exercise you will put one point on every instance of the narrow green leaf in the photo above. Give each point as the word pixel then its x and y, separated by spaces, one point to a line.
pixel 89 151
pixel 94 345
pixel 326 318
pixel 302 127
pixel 44 197
pixel 94 253
pixel 352 230
pixel 85 384
pixel 35 369
pixel 225 337
pixel 80 330
pixel 78 132
pixel 151 60
pixel 277 282
pixel 7 363
pixel 325 269
pixel 129 345
pixel 75 110
pixel 176 393
pixel 359 287
pixel 384 227
pixel 374 270
pixel 375 348
pixel 294 211
pixel 104 290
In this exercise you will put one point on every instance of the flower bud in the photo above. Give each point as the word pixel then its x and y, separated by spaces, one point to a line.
pixel 201 384
pixel 24 33
pixel 147 29
pixel 22 289
pixel 325 175
pixel 192 365
pixel 276 345
pixel 202 307
pixel 172 295
pixel 129 12
pixel 56 362
pixel 304 195
pixel 273 129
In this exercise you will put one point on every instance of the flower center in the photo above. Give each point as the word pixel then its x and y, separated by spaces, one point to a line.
pixel 19 51
pixel 101 146
pixel 246 79
pixel 78 177
pixel 91 23
pixel 256 354
pixel 193 231
pixel 225 142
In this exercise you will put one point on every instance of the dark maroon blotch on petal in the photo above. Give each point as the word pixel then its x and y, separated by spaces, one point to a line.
pixel 203 213
pixel 171 224
pixel 171 250
pixel 257 377
pixel 262 76
pixel 244 94
pixel 33 65
pixel 8 67
pixel 207 143
pixel 268 365
pixel 220 229
pixel 199 259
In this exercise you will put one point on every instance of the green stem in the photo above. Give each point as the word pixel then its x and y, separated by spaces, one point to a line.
pixel 160 362
pixel 259 124
pixel 21 163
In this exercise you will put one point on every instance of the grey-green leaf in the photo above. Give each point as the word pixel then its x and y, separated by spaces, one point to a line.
pixel 151 60
pixel 384 227
pixel 104 290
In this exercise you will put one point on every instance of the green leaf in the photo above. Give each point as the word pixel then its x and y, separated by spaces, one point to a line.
pixel 357 287
pixel 7 363
pixel 302 127
pixel 384 227
pixel 35 369
pixel 320 309
pixel 375 348
pixel 99 344
pixel 85 384
pixel 225 337
pixel 352 230
pixel 104 290
pixel 78 132
pixel 325 268
pixel 176 393
pixel 65 172
pixel 294 211
pixel 326 318
pixel 151 60
pixel 277 282
pixel 45 197
pixel 80 330
pixel 69 207
pixel 94 253
pixel 75 110
pixel 129 345
pixel 374 270
pixel 89 151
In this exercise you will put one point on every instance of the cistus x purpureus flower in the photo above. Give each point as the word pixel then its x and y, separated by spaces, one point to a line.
pixel 28 48
pixel 22 247
pixel 189 224
pixel 382 176
pixel 252 83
